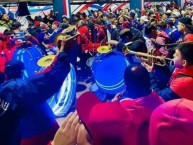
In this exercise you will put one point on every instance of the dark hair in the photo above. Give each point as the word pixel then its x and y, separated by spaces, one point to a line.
pixel 186 50
pixel 162 24
pixel 126 33
pixel 13 69
pixel 148 29
pixel 137 81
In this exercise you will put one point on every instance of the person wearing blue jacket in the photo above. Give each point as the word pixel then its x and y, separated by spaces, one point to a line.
pixel 18 97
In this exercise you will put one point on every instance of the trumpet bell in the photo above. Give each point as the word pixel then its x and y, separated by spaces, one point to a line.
pixel 46 61
pixel 104 49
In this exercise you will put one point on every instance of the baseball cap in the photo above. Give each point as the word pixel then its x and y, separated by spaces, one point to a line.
pixel 107 122
pixel 64 16
pixel 37 23
pixel 172 123
pixel 16 25
pixel 186 21
pixel 56 23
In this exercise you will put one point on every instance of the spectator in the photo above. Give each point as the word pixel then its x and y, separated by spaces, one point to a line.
pixel 185 26
pixel 19 96
pixel 130 35
pixel 181 81
pixel 99 117
pixel 172 123
pixel 37 124
pixel 5 21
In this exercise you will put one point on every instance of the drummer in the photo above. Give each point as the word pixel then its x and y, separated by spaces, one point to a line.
pixel 132 38
pixel 23 37
pixel 31 101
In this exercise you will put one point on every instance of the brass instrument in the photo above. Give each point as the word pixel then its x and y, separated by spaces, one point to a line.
pixel 149 58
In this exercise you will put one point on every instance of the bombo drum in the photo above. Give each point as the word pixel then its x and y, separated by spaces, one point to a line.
pixel 108 72
pixel 29 56
pixel 61 102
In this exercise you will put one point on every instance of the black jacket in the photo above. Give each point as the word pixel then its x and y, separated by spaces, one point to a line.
pixel 17 96
pixel 138 42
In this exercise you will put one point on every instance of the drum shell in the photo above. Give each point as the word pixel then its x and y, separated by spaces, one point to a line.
pixel 62 101
pixel 30 57
pixel 108 72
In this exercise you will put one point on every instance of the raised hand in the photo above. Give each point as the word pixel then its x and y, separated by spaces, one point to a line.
pixel 67 133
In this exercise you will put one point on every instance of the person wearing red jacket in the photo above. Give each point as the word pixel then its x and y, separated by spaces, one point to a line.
pixel 181 80
pixel 7 49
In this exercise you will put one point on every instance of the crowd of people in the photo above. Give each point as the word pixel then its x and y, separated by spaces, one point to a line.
pixel 154 109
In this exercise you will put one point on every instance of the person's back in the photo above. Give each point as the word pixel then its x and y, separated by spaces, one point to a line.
pixel 108 123
pixel 7 130
pixel 17 96
pixel 140 100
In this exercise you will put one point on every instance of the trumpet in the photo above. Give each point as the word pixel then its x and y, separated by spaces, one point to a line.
pixel 149 57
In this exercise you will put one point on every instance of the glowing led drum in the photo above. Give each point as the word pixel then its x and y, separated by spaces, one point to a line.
pixel 108 71
pixel 61 101
pixel 29 56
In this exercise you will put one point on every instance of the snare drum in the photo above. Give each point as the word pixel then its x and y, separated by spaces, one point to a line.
pixel 108 72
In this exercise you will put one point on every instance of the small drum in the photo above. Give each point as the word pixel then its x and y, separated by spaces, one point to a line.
pixel 29 56
pixel 108 71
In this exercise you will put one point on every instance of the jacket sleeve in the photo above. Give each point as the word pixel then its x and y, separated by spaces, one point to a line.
pixel 166 93
pixel 163 74
pixel 120 46
pixel 42 86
